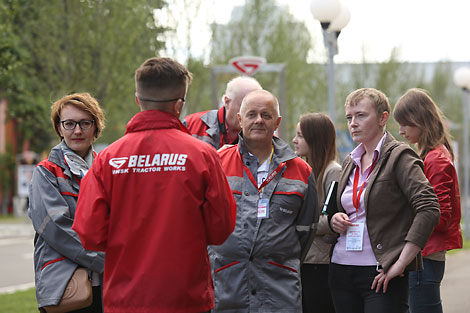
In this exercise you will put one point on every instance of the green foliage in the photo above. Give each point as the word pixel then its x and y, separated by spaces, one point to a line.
pixel 263 28
pixel 7 170
pixel 199 97
pixel 394 78
pixel 9 54
pixel 443 92
pixel 75 46
pixel 19 302
pixel 49 48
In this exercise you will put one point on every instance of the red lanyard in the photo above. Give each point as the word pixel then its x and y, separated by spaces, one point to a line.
pixel 357 196
pixel 267 180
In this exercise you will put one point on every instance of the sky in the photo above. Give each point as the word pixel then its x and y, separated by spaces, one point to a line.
pixel 421 30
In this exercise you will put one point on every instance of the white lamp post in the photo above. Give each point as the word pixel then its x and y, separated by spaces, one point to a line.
pixel 333 17
pixel 462 79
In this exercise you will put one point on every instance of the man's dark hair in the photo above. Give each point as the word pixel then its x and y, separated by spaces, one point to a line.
pixel 162 74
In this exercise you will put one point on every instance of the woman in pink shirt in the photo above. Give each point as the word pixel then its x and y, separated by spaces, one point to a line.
pixel 386 212
pixel 422 123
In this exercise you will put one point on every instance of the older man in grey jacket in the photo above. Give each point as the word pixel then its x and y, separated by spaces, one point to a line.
pixel 258 268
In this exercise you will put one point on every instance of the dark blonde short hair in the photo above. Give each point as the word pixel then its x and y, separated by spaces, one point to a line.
pixel 378 98
pixel 83 101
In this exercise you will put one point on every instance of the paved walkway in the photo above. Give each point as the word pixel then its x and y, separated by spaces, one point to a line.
pixel 17 229
pixel 456 283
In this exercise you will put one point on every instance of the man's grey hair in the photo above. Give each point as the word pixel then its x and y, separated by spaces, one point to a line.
pixel 240 84
pixel 276 102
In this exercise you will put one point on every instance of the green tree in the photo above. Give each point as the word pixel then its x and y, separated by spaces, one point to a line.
pixel 65 46
pixel 186 21
pixel 444 91
pixel 9 54
pixel 199 94
pixel 263 28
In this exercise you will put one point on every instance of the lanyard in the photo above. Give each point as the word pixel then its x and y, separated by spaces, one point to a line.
pixel 357 196
pixel 223 129
pixel 268 179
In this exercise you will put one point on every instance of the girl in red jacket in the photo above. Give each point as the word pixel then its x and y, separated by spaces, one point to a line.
pixel 421 123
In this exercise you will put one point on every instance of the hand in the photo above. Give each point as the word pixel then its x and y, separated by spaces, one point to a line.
pixel 340 222
pixel 382 279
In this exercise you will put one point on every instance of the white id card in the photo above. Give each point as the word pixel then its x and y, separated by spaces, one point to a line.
pixel 354 237
pixel 263 208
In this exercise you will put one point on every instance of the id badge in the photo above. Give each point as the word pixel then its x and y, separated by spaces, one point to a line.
pixel 263 208
pixel 354 237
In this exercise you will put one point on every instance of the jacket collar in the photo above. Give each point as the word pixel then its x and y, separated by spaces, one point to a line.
pixel 154 119
pixel 211 119
pixel 57 157
pixel 388 145
pixel 282 151
pixel 348 166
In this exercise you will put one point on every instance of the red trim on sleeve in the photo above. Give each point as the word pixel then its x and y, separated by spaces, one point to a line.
pixel 65 193
pixel 53 261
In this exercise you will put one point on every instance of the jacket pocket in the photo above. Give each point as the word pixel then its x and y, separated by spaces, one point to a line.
pixel 225 267
pixel 283 266
pixel 52 279
pixel 285 208
pixel 52 262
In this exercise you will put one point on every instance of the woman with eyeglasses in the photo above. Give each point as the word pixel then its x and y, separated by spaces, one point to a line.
pixel 78 120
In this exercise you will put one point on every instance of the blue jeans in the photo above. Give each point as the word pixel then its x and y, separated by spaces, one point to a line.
pixel 350 289
pixel 425 288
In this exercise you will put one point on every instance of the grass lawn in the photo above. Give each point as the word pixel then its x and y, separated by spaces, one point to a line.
pixel 13 219
pixel 8 218
pixel 19 302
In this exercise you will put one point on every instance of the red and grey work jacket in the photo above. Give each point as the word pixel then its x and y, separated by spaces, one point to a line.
pixel 58 251
pixel 209 126
pixel 262 256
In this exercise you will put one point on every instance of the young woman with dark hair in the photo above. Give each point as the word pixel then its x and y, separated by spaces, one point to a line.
pixel 316 141
pixel 422 123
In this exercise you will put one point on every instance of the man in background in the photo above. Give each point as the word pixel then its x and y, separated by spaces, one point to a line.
pixel 221 127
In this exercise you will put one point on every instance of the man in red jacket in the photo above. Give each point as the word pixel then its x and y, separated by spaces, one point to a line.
pixel 220 127
pixel 153 200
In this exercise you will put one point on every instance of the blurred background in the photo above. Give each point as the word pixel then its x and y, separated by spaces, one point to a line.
pixel 49 48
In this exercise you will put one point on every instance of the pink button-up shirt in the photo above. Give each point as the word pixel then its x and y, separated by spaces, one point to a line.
pixel 365 257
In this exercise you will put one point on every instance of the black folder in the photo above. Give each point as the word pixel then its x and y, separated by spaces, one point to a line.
pixel 330 205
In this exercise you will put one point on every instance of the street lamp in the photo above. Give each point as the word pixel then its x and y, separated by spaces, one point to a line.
pixel 462 79
pixel 333 17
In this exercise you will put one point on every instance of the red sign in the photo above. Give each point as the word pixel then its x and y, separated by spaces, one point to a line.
pixel 247 65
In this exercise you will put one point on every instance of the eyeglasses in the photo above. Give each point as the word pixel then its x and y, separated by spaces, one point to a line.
pixel 71 124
